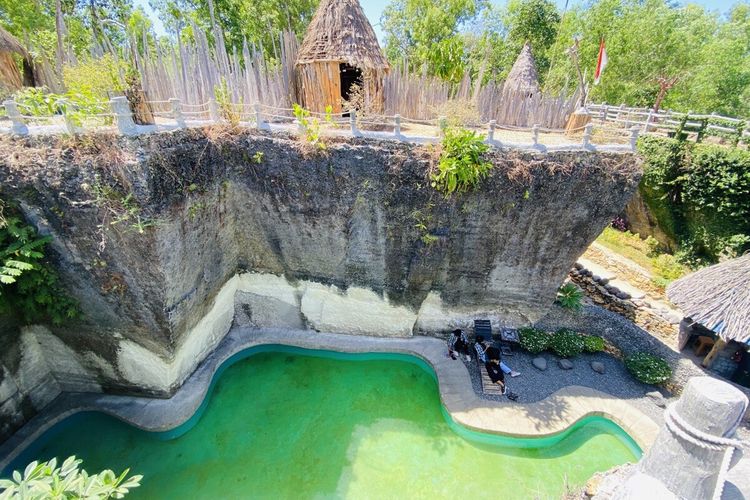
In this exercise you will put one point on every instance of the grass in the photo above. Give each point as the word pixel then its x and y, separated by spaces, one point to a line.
pixel 663 267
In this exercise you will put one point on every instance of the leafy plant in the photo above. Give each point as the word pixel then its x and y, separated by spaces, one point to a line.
pixel 29 287
pixel 648 368
pixel 566 343
pixel 311 125
pixel 74 105
pixel 258 157
pixel 227 108
pixel 593 343
pixel 570 296
pixel 534 340
pixel 462 164
pixel 45 480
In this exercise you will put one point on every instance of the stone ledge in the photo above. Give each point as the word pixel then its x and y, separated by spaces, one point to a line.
pixel 543 418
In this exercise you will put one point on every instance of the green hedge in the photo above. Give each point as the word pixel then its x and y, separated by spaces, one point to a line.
pixel 648 368
pixel 566 343
pixel 593 343
pixel 700 196
pixel 533 340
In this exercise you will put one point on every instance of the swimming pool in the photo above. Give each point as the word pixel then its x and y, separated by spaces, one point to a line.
pixel 285 422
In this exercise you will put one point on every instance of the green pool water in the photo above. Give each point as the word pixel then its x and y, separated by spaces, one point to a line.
pixel 288 423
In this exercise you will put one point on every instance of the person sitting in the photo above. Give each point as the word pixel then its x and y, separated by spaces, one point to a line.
pixel 486 352
pixel 495 373
pixel 458 344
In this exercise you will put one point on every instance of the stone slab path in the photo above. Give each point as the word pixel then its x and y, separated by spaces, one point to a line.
pixel 550 416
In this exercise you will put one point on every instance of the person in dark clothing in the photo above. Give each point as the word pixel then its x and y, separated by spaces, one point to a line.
pixel 495 373
pixel 458 343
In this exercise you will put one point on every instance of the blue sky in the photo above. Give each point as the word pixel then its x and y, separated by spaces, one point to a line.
pixel 374 8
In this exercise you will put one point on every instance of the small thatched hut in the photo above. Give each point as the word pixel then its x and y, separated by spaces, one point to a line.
pixel 717 297
pixel 340 49
pixel 10 77
pixel 523 77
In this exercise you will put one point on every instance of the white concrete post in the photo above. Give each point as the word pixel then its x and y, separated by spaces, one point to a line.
pixel 353 123
pixel 605 110
pixel 259 121
pixel 620 110
pixel 648 120
pixel 397 125
pixel 17 127
pixel 123 116
pixel 535 135
pixel 442 125
pixel 70 125
pixel 300 128
pixel 634 131
pixel 213 110
pixel 690 452
pixel 587 130
pixel 491 131
pixel 177 112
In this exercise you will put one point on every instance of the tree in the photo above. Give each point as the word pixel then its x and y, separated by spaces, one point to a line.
pixel 535 21
pixel 427 32
pixel 44 480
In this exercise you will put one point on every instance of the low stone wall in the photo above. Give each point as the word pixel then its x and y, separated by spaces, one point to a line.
pixel 624 269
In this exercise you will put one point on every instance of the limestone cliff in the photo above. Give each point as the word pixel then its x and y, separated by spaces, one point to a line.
pixel 166 239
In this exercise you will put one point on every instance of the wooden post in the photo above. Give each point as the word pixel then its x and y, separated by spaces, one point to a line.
pixel 634 131
pixel 123 117
pixel 177 112
pixel 605 110
pixel 17 127
pixel 620 110
pixel 719 346
pixel 648 120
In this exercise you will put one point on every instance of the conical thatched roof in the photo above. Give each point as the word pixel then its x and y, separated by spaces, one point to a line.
pixel 718 297
pixel 523 76
pixel 339 31
pixel 8 43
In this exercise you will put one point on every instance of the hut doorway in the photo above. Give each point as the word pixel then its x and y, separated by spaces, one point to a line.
pixel 350 75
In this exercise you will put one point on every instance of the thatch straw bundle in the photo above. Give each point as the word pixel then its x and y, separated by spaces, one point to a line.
pixel 718 297
pixel 523 76
pixel 340 32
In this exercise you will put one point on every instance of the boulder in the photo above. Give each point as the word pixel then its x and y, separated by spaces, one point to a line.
pixel 565 364
pixel 597 366
pixel 657 398
pixel 539 363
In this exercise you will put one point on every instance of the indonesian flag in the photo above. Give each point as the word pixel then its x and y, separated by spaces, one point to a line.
pixel 601 63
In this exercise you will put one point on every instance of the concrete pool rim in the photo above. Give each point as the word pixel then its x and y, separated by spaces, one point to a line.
pixel 553 417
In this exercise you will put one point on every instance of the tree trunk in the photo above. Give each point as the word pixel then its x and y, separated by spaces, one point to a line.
pixel 60 29
pixel 660 97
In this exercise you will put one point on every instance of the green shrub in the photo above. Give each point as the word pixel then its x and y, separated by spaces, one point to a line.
pixel 566 343
pixel 570 296
pixel 593 343
pixel 648 368
pixel 461 164
pixel 533 340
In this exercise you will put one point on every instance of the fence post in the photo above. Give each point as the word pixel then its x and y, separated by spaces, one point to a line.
pixel 353 123
pixel 491 131
pixel 18 127
pixel 605 110
pixel 123 116
pixel 259 121
pixel 587 135
pixel 70 125
pixel 397 125
pixel 620 110
pixel 177 112
pixel 442 125
pixel 213 110
pixel 535 134
pixel 648 120
pixel 634 130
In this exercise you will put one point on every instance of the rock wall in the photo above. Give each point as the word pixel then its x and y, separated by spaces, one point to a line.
pixel 167 239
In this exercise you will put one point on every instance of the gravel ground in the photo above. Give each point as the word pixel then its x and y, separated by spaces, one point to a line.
pixel 534 385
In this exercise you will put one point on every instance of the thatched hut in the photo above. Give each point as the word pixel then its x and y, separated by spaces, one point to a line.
pixel 523 77
pixel 10 77
pixel 339 50
pixel 718 297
